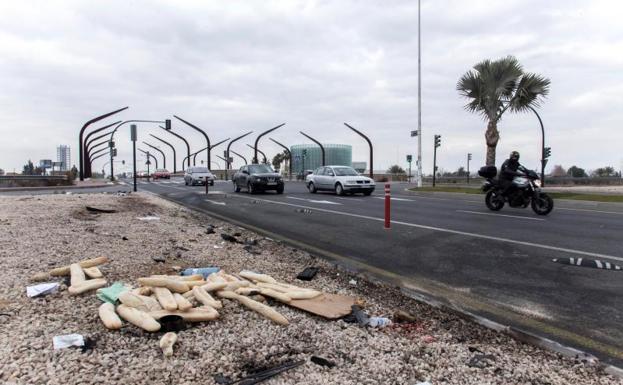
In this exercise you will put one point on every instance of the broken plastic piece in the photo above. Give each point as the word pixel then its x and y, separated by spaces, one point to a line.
pixel 322 361
pixel 65 341
pixel 205 271
pixel 42 289
pixel 308 274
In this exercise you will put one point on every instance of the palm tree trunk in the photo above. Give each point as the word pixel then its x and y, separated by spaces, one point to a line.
pixel 492 136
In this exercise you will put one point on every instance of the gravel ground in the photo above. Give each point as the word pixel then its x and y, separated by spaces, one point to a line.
pixel 38 233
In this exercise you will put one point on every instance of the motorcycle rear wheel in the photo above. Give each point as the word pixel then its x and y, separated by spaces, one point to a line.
pixel 494 201
pixel 542 205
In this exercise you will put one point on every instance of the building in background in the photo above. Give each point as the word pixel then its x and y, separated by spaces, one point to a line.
pixel 309 156
pixel 63 155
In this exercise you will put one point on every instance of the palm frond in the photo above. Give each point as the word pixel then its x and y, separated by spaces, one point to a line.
pixel 532 88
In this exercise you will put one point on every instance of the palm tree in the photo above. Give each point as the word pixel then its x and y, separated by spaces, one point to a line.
pixel 494 87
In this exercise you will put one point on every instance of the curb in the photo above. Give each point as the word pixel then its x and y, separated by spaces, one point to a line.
pixel 41 188
pixel 355 267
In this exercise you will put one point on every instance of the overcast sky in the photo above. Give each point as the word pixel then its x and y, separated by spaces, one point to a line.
pixel 234 66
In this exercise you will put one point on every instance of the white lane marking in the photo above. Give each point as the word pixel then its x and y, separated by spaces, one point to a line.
pixel 397 199
pixel 591 211
pixel 216 203
pixel 441 229
pixel 315 201
pixel 499 215
pixel 349 199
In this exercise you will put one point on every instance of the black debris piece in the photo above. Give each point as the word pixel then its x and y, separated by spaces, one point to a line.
pixel 322 361
pixel 480 361
pixel 237 234
pixel 124 238
pixel 221 379
pixel 357 316
pixel 229 238
pixel 263 375
pixel 89 344
pixel 172 323
pixel 587 262
pixel 308 274
pixel 98 210
pixel 249 249
pixel 158 259
pixel 210 230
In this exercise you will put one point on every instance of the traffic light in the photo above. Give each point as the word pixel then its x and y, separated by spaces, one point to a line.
pixel 409 158
pixel 469 156
pixel 547 152
pixel 123 162
pixel 114 152
pixel 111 143
pixel 437 140
pixel 167 124
pixel 304 152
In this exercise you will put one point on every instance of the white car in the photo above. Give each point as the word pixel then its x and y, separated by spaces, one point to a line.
pixel 198 175
pixel 341 179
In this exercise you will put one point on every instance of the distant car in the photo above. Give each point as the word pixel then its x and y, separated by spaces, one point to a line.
pixel 257 177
pixel 141 174
pixel 341 179
pixel 161 173
pixel 198 175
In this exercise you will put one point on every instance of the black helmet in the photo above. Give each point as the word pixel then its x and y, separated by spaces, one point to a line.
pixel 514 155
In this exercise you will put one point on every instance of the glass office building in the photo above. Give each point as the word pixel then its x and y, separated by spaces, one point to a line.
pixel 309 156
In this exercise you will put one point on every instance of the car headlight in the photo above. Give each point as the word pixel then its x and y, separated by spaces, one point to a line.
pixel 537 182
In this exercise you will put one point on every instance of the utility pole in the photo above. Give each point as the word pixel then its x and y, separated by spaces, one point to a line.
pixel 419 98
pixel 469 157
pixel 437 144
pixel 133 138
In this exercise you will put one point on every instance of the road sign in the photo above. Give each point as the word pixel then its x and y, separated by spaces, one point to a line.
pixel 413 133
pixel 409 158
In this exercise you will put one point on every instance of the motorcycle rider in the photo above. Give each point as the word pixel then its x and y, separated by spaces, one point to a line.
pixel 509 170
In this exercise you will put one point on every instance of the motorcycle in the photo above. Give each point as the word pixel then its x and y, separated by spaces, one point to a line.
pixel 525 190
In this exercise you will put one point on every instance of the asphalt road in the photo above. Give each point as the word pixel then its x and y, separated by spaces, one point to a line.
pixel 452 248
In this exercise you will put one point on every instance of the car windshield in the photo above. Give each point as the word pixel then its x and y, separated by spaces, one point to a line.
pixel 345 171
pixel 201 169
pixel 259 168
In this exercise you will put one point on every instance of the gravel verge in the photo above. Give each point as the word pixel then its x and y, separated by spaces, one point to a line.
pixel 38 233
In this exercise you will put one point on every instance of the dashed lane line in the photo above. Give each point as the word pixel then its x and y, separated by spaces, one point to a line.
pixel 499 215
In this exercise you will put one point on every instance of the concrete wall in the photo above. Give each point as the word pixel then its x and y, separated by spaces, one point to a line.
pixel 33 181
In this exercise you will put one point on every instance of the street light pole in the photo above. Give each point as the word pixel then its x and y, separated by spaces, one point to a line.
pixel 287 150
pixel 318 143
pixel 242 157
pixel 185 141
pixel 469 157
pixel 227 163
pixel 258 139
pixel 543 159
pixel 258 150
pixel 81 139
pixel 164 158
pixel 201 131
pixel 194 155
pixel 419 96
pixel 369 144
pixel 172 148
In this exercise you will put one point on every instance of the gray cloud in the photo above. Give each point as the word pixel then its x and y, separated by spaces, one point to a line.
pixel 236 66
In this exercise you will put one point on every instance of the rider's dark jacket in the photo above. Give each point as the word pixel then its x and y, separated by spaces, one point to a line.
pixel 509 169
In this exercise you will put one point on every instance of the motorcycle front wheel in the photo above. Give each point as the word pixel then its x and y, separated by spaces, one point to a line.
pixel 543 204
pixel 494 200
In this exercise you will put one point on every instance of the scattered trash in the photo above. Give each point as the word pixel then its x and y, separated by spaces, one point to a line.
pixel 322 361
pixel 352 282
pixel 584 262
pixel 124 238
pixel 148 218
pixel 210 230
pixel 159 259
pixel 40 277
pixel 205 271
pixel 172 323
pixel 229 238
pixel 67 340
pixel 251 242
pixel 401 316
pixel 98 210
pixel 379 322
pixel 357 315
pixel 166 343
pixel 218 247
pixel 480 361
pixel 111 293
pixel 89 344
pixel 259 376
pixel 308 274
pixel 237 234
pixel 251 250
pixel 42 289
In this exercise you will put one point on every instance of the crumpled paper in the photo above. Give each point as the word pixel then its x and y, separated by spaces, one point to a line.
pixel 67 340
pixel 42 289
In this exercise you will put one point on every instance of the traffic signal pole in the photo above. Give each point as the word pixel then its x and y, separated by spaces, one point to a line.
pixel 437 144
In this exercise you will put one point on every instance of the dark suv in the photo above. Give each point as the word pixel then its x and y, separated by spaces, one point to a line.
pixel 257 177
